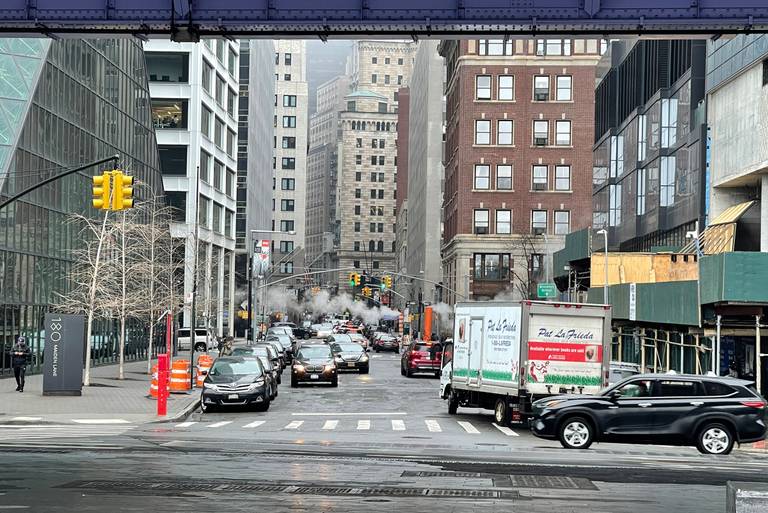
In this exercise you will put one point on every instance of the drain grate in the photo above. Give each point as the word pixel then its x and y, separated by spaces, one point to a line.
pixel 477 494
pixel 412 473
pixel 514 480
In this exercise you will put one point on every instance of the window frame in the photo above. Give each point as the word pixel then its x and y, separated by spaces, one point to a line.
pixel 510 88
pixel 508 222
pixel 476 228
pixel 559 88
pixel 558 168
pixel 560 223
pixel 499 177
pixel 558 132
pixel 534 132
pixel 511 132
pixel 477 177
pixel 488 88
pixel 478 122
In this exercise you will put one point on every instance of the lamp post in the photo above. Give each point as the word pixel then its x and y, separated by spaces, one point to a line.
pixel 250 277
pixel 604 233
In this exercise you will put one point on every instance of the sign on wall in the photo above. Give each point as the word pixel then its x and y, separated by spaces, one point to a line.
pixel 64 354
pixel 261 250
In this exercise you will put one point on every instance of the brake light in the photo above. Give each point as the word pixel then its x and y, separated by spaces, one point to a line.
pixel 754 404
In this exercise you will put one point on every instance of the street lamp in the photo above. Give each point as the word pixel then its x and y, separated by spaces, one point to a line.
pixel 250 275
pixel 604 233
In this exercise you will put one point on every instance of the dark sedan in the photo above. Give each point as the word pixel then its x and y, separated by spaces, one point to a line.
pixel 265 354
pixel 709 412
pixel 314 364
pixel 236 381
pixel 304 333
pixel 350 356
pixel 385 342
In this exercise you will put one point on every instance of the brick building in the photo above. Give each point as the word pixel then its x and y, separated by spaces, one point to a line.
pixel 518 159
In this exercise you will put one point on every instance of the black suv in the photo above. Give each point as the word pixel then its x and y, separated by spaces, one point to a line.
pixel 709 412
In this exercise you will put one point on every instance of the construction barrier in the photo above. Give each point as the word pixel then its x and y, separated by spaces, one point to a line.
pixel 204 363
pixel 153 384
pixel 180 376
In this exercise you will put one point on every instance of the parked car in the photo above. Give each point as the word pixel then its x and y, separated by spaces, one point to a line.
pixel 386 342
pixel 339 338
pixel 274 356
pixel 235 381
pixel 304 333
pixel 421 357
pixel 314 363
pixel 358 338
pixel 349 355
pixel 203 341
pixel 709 412
pixel 288 343
pixel 274 340
pixel 270 366
pixel 283 324
pixel 323 330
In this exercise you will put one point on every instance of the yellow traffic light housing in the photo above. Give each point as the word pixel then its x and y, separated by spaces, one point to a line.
pixel 351 279
pixel 388 281
pixel 357 279
pixel 101 185
pixel 122 196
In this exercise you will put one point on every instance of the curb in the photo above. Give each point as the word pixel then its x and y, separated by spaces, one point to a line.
pixel 185 412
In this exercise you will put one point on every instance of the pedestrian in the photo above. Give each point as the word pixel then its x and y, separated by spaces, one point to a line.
pixel 20 355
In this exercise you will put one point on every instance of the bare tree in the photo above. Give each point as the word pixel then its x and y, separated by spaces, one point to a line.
pixel 525 245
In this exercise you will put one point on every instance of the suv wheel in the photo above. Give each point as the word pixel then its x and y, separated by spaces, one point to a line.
pixel 200 347
pixel 714 438
pixel 576 433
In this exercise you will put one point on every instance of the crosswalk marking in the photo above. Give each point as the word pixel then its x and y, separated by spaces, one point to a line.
pixel 186 424
pixel 398 425
pixel 363 425
pixel 26 419
pixel 505 430
pixel 330 424
pixel 219 424
pixel 42 433
pixel 100 421
pixel 433 426
pixel 296 424
pixel 255 424
pixel 468 427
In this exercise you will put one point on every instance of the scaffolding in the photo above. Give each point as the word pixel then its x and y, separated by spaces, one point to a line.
pixel 661 350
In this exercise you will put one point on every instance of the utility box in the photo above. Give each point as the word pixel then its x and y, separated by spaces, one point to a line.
pixel 64 354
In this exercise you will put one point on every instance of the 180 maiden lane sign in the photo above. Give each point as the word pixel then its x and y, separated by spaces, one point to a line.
pixel 63 354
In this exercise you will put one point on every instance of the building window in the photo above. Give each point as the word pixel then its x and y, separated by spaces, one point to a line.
pixel 541 88
pixel 399 79
pixel 357 226
pixel 562 222
pixel 289 143
pixel 169 114
pixel 287 77
pixel 562 178
pixel 617 156
pixel 540 180
pixel 482 176
pixel 231 102
pixel 231 143
pixel 287 205
pixel 504 177
pixel 483 87
pixel 286 246
pixel 358 159
pixel 374 60
pixel 356 264
pixel 286 267
pixel 358 176
pixel 357 210
pixel 373 193
pixel 173 160
pixel 358 193
pixel 167 67
pixel 538 221
pixel 553 47
pixel 563 133
pixel 504 133
pixel 381 160
pixel 540 133
pixel 372 228
pixel 495 47
pixel 289 121
pixel 614 205
pixel 667 182
pixel 205 164
pixel 288 59
pixel 357 245
pixel 668 122
pixel 482 131
pixel 642 137
pixel 207 76
pixel 219 134
pixel 641 191
pixel 374 78
pixel 481 221
pixel 220 88
pixel 202 213
pixel 374 160
pixel 506 87
pixel 288 163
pixel 503 222
pixel 218 173
pixel 286 225
pixel 491 267
pixel 289 100
pixel 386 79
pixel 205 121
pixel 288 184
pixel 563 88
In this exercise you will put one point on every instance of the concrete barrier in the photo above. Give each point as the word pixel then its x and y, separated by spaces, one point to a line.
pixel 746 497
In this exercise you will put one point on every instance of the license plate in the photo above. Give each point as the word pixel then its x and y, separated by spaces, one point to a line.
pixel 350 364
pixel 314 376
pixel 233 396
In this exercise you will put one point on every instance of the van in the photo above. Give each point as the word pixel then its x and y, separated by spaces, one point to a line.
pixel 200 340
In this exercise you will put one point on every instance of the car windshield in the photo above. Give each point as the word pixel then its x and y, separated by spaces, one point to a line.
pixel 244 351
pixel 269 350
pixel 356 336
pixel 347 348
pixel 238 367
pixel 422 347
pixel 313 352
pixel 342 339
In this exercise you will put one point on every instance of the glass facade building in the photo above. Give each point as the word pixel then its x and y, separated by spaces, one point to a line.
pixel 62 104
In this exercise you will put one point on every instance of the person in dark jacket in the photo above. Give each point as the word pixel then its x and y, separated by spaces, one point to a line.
pixel 20 355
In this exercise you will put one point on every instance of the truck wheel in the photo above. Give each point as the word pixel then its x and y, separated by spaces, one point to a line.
pixel 453 403
pixel 501 412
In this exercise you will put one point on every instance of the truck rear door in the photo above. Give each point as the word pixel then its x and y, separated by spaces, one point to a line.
pixel 475 350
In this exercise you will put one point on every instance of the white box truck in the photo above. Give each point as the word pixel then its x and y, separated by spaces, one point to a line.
pixel 506 355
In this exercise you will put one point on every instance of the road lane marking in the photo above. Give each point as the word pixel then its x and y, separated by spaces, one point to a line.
pixel 505 430
pixel 186 424
pixel 100 421
pixel 433 426
pixel 219 424
pixel 363 425
pixel 296 424
pixel 398 425
pixel 27 419
pixel 330 424
pixel 468 427
pixel 255 424
pixel 333 414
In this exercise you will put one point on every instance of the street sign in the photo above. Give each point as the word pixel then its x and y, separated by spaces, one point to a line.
pixel 63 354
pixel 546 290
pixel 632 301
pixel 261 249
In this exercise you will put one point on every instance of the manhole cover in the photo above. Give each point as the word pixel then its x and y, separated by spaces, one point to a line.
pixel 560 482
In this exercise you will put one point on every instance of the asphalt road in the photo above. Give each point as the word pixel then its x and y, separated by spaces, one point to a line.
pixel 378 442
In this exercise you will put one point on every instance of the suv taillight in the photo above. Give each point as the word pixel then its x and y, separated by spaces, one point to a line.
pixel 754 404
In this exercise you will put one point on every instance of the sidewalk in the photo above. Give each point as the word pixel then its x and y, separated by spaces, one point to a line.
pixel 107 398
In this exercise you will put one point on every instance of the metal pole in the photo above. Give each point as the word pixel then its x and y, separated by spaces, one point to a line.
pixel 193 319
pixel 605 285
pixel 758 355
pixel 250 294
pixel 716 352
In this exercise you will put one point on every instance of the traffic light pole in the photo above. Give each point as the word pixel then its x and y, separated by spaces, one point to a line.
pixel 113 158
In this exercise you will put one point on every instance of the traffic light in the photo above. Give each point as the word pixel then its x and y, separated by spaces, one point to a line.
pixel 357 279
pixel 381 284
pixel 367 291
pixel 122 195
pixel 388 281
pixel 101 191
pixel 352 279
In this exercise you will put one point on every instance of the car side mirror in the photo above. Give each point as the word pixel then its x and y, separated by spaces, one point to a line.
pixel 614 395
pixel 204 372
